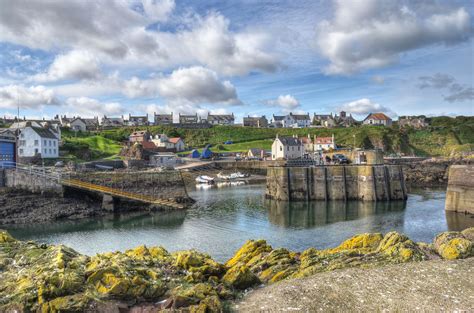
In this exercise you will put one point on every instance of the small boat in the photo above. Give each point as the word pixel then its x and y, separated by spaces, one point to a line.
pixel 203 179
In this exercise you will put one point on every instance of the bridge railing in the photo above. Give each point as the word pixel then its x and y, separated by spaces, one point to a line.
pixel 39 171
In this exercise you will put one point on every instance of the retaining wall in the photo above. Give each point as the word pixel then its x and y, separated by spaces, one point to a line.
pixel 460 192
pixel 349 182
pixel 36 184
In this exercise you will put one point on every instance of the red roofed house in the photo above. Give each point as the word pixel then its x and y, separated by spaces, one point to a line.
pixel 324 143
pixel 377 119
pixel 178 143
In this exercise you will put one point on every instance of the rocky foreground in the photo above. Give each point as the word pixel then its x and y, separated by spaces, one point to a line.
pixel 48 278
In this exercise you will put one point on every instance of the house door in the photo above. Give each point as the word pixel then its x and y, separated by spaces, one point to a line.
pixel 7 154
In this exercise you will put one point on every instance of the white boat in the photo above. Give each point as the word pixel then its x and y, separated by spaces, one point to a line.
pixel 204 179
pixel 232 176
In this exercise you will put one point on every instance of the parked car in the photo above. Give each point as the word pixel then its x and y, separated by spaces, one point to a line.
pixel 228 142
pixel 340 159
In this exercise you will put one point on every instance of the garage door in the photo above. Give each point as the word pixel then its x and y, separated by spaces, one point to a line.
pixel 7 154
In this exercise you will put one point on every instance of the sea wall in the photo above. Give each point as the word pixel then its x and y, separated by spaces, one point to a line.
pixel 348 182
pixel 460 192
pixel 33 183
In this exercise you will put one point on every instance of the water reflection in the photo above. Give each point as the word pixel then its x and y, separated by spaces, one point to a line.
pixel 171 219
pixel 316 213
pixel 459 221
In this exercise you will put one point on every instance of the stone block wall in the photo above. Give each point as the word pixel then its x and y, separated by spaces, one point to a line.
pixel 36 184
pixel 460 192
pixel 349 182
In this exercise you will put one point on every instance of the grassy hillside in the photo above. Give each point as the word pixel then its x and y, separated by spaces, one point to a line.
pixel 86 147
pixel 445 137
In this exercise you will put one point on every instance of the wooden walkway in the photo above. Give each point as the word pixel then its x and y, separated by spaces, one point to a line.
pixel 75 183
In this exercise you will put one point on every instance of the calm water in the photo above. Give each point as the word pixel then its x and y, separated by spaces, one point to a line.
pixel 223 219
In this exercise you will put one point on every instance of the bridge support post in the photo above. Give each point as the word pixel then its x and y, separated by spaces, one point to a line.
pixel 108 203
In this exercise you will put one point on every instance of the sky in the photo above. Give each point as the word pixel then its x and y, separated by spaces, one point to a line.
pixel 248 57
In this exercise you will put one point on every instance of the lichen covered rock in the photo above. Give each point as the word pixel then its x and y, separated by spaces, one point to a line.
pixel 454 245
pixel 240 277
pixel 399 248
pixel 39 277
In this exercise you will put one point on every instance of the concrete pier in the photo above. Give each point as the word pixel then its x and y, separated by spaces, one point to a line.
pixel 460 192
pixel 338 182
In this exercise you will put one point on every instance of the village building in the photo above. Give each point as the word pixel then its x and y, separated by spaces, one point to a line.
pixel 287 148
pixel 112 122
pixel 34 141
pixel 77 124
pixel 174 143
pixel 165 159
pixel 417 122
pixel 188 119
pixel 7 148
pixel 324 143
pixel 296 121
pixel 277 121
pixel 178 143
pixel 255 121
pixel 92 123
pixel 307 143
pixel 137 120
pixel 344 120
pixel 163 119
pixel 377 119
pixel 324 120
pixel 220 119
pixel 139 136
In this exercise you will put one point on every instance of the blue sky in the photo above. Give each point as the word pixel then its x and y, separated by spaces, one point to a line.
pixel 249 57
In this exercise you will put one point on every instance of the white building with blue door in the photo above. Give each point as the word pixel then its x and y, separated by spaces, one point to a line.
pixel 42 141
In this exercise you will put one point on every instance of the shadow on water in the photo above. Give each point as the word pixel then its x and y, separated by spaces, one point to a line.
pixel 126 221
pixel 318 213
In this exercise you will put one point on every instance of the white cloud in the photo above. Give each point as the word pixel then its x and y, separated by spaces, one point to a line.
pixel 77 64
pixel 373 33
pixel 118 34
pixel 34 97
pixel 365 106
pixel 85 107
pixel 158 10
pixel 194 85
pixel 286 103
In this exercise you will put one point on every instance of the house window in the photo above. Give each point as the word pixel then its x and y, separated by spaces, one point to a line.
pixel 36 151
pixel 44 142
pixel 36 143
pixel 281 148
pixel 22 136
pixel 54 151
pixel 21 151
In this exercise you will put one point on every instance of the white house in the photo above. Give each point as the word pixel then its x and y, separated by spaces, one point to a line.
pixel 277 121
pixel 324 143
pixel 178 143
pixel 38 141
pixel 220 119
pixel 377 119
pixel 77 124
pixel 162 141
pixel 296 120
pixel 287 148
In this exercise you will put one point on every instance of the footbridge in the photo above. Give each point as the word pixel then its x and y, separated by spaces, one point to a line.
pixel 42 178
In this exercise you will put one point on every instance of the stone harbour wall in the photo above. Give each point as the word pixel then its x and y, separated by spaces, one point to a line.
pixel 348 182
pixel 36 184
pixel 460 192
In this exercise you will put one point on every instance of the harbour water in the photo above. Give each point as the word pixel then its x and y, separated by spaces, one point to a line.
pixel 223 219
